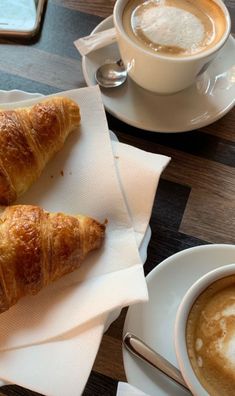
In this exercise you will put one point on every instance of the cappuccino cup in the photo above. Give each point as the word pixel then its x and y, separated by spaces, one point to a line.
pixel 166 44
pixel 205 334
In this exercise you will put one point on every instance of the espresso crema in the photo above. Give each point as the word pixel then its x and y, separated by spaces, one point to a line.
pixel 210 337
pixel 174 27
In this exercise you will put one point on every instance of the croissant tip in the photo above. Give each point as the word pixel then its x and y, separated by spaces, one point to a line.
pixel 71 104
pixel 96 233
pixel 75 114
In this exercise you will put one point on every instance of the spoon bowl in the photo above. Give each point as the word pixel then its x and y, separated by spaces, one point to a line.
pixel 110 75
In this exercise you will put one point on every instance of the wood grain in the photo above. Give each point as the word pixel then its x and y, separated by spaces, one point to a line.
pixel 110 349
pixel 41 66
pixel 209 217
pixel 194 204
pixel 102 8
pixel 224 128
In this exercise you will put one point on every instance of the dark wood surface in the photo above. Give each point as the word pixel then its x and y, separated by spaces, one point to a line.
pixel 195 202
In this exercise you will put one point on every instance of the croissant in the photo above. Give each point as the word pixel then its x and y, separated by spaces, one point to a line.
pixel 38 247
pixel 29 137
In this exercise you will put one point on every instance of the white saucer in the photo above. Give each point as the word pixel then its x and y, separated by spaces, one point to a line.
pixel 153 321
pixel 211 97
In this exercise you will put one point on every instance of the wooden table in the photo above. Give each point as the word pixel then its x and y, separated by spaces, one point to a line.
pixel 195 200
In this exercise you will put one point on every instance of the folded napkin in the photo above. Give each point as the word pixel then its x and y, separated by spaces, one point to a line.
pixel 125 389
pixel 57 333
pixel 94 41
pixel 144 169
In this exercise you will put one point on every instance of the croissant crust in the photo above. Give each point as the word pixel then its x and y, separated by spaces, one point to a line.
pixel 38 247
pixel 29 137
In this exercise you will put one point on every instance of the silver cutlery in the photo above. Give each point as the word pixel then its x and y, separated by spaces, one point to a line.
pixel 110 75
pixel 144 352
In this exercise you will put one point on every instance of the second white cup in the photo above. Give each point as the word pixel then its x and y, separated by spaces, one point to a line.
pixel 204 328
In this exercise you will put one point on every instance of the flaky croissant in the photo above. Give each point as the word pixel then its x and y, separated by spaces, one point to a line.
pixel 37 247
pixel 29 137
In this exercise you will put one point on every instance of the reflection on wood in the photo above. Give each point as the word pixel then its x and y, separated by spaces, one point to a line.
pixel 101 8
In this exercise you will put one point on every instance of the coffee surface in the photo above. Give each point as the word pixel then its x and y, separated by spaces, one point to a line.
pixel 210 337
pixel 174 27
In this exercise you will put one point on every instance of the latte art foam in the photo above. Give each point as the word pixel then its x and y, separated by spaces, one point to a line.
pixel 169 26
pixel 174 27
pixel 210 337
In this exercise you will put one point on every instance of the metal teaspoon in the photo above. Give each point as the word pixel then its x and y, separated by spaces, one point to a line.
pixel 110 75
pixel 144 352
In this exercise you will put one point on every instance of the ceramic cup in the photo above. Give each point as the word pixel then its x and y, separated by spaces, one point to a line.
pixel 181 321
pixel 159 73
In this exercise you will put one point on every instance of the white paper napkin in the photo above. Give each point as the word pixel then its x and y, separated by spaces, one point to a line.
pixel 125 389
pixel 145 169
pixel 138 173
pixel 76 351
pixel 90 43
pixel 89 185
pixel 57 368
pixel 72 326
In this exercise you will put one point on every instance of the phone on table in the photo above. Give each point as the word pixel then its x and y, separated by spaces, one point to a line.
pixel 20 18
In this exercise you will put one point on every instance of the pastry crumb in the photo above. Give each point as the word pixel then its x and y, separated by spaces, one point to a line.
pixel 116 157
pixel 62 173
pixel 52 176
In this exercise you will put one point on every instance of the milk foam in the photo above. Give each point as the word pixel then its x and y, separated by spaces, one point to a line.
pixel 198 344
pixel 200 361
pixel 230 351
pixel 171 26
pixel 229 311
pixel 225 344
pixel 174 27
pixel 226 349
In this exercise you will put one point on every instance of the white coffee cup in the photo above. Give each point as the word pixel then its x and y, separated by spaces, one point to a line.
pixel 181 322
pixel 160 73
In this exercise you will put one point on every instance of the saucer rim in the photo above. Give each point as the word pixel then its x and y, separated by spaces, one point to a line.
pixel 120 116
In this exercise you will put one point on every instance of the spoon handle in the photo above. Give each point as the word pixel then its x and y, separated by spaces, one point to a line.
pixel 143 351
